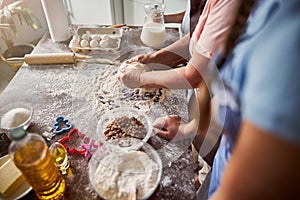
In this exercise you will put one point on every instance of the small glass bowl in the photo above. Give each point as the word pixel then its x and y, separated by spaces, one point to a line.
pixel 24 123
pixel 102 185
pixel 108 117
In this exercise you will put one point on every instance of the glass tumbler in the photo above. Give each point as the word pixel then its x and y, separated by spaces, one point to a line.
pixel 60 157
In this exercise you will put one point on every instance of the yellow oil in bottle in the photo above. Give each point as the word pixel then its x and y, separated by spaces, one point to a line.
pixel 35 162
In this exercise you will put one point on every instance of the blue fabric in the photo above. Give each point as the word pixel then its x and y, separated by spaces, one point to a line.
pixel 276 104
pixel 233 74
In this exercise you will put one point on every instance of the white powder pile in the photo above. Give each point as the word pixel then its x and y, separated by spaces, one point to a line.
pixel 118 174
pixel 15 117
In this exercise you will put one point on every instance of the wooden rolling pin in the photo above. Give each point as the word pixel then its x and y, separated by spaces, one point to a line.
pixel 48 58
pixel 59 58
pixel 51 58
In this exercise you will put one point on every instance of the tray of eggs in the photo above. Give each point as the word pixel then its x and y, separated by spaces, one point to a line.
pixel 96 38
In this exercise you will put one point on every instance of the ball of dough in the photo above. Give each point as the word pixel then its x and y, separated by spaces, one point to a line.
pixel 94 43
pixel 84 43
pixel 133 65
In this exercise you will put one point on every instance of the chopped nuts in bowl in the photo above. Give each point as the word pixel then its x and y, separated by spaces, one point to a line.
pixel 125 122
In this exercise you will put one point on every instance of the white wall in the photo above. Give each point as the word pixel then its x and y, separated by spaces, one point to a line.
pixel 90 11
pixel 174 6
pixel 118 11
pixel 105 12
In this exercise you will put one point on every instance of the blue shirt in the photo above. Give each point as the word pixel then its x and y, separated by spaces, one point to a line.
pixel 276 105
pixel 233 75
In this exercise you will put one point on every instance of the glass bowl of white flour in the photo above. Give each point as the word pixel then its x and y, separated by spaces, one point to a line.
pixel 15 115
pixel 118 173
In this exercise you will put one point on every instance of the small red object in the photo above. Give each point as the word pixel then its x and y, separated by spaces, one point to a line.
pixel 77 150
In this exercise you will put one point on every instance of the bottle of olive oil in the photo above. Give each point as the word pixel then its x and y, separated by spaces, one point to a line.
pixel 31 155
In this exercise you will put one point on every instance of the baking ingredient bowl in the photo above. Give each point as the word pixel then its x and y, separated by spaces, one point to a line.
pixel 124 122
pixel 117 173
pixel 15 115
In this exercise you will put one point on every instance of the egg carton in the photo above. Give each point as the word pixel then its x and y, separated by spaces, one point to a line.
pixel 96 38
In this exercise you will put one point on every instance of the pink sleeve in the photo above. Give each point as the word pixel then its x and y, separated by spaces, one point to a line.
pixel 218 16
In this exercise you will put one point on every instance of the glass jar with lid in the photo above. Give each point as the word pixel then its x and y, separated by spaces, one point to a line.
pixel 153 32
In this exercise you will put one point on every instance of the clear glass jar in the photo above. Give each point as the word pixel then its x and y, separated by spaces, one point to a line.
pixel 154 32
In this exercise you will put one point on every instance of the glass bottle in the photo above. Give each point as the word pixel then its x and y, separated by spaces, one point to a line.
pixel 154 32
pixel 31 155
pixel 59 155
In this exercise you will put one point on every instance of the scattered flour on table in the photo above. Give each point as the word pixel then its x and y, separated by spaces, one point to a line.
pixel 85 92
pixel 120 173
pixel 166 181
pixel 15 117
pixel 112 92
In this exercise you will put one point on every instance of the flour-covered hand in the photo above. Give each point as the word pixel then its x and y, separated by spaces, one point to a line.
pixel 130 77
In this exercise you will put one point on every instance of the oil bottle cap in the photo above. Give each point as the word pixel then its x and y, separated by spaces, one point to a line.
pixel 17 133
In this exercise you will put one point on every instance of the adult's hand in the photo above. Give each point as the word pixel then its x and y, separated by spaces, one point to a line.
pixel 152 61
pixel 142 58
